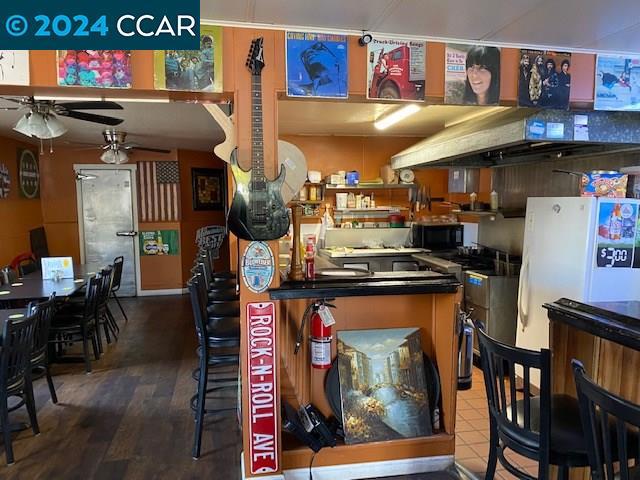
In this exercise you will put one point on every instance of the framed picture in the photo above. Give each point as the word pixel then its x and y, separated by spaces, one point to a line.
pixel 94 68
pixel 472 75
pixel 208 188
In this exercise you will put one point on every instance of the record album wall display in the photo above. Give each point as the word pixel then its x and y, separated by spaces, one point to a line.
pixel 617 85
pixel 544 79
pixel 94 68
pixel 383 387
pixel 472 75
pixel 192 70
pixel 395 69
pixel 317 65
pixel 14 67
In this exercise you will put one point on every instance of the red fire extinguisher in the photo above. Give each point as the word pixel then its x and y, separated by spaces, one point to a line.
pixel 321 335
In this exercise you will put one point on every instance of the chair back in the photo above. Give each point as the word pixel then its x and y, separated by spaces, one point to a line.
pixel 43 313
pixel 91 298
pixel 500 361
pixel 15 354
pixel 199 307
pixel 611 425
pixel 118 265
pixel 104 288
pixel 28 266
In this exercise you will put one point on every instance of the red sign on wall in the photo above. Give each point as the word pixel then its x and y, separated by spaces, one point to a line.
pixel 261 361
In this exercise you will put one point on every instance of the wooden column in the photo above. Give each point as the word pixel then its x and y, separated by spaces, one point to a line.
pixel 242 79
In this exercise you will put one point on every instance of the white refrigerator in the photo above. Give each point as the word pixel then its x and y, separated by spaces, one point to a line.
pixel 583 248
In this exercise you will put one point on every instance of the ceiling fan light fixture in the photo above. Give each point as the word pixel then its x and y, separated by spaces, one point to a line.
pixel 121 157
pixel 116 157
pixel 56 128
pixel 23 126
pixel 38 126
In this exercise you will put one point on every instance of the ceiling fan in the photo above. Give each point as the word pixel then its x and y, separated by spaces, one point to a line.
pixel 116 149
pixel 40 121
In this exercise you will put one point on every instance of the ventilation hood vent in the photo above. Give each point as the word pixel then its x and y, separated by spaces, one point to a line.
pixel 523 136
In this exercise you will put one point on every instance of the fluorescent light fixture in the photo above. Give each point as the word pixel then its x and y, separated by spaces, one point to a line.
pixel 116 157
pixel 57 98
pixel 138 100
pixel 396 116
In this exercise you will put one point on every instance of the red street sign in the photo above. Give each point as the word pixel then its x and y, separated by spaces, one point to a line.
pixel 261 361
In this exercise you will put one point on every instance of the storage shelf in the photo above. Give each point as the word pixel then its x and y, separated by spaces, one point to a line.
pixel 384 186
pixel 370 210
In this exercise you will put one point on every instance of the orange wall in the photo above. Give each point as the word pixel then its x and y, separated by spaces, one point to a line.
pixel 192 219
pixel 17 215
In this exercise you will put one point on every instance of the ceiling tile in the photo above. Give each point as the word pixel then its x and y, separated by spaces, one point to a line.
pixel 235 11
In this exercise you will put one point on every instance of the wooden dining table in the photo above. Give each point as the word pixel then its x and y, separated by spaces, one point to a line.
pixel 33 287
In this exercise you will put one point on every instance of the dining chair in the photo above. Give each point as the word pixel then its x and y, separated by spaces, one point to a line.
pixel 82 326
pixel 545 428
pixel 104 317
pixel 612 426
pixel 43 313
pixel 15 376
pixel 118 265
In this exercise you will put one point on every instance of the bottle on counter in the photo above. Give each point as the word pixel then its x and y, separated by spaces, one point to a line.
pixel 302 195
pixel 309 261
pixel 473 200
pixel 359 201
pixel 372 202
pixel 351 200
pixel 493 200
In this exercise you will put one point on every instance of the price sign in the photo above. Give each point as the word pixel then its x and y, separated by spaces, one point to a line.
pixel 615 257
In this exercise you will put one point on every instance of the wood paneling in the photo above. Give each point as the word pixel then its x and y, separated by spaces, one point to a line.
pixel 160 272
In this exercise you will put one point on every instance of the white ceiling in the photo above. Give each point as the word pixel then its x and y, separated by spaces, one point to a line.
pixel 349 118
pixel 592 25
pixel 156 125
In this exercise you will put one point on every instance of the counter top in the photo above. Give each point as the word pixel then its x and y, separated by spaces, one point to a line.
pixel 618 322
pixel 346 252
pixel 380 283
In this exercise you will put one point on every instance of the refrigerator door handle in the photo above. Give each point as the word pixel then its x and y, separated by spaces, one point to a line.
pixel 524 277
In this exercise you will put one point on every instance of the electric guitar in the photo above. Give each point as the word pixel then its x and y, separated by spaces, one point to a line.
pixel 257 211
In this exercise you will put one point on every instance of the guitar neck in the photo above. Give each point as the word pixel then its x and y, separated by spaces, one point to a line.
pixel 257 150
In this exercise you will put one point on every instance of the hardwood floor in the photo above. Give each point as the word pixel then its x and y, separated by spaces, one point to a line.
pixel 130 418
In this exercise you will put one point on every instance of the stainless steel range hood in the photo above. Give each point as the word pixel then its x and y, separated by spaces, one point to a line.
pixel 524 135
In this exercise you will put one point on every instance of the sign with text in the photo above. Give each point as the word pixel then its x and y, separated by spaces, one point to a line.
pixel 118 24
pixel 57 268
pixel 262 405
pixel 616 233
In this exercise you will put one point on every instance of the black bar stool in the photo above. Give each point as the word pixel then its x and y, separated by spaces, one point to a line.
pixel 545 428
pixel 216 336
pixel 612 425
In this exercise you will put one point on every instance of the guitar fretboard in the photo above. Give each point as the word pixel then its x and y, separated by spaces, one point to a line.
pixel 257 151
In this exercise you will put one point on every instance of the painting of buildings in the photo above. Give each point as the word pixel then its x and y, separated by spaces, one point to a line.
pixel 382 385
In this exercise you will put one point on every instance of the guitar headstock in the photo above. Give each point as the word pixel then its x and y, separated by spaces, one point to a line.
pixel 255 60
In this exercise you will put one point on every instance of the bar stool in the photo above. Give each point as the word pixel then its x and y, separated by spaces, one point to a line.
pixel 618 442
pixel 545 428
pixel 213 335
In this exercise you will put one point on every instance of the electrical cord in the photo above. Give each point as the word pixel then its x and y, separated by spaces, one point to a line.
pixel 313 456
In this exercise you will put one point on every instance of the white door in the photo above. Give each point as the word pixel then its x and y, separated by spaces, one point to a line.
pixel 107 219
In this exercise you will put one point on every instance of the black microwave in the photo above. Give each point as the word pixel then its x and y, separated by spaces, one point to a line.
pixel 438 237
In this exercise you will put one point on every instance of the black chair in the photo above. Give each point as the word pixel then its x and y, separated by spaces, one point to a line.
pixel 28 266
pixel 545 428
pixel 118 265
pixel 79 327
pixel 15 375
pixel 612 425
pixel 104 317
pixel 212 336
pixel 43 313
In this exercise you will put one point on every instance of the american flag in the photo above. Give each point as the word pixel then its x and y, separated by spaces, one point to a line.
pixel 159 191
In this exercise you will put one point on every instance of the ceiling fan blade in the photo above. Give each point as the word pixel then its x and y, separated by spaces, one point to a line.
pixel 90 105
pixel 10 108
pixel 145 149
pixel 92 117
pixel 14 100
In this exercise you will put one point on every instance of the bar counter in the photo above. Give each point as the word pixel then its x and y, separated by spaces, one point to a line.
pixel 605 337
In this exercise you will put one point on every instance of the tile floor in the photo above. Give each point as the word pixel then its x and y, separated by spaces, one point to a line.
pixel 472 434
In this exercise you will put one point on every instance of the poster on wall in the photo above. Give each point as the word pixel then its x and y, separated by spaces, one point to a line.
pixel 472 75
pixel 208 185
pixel 617 84
pixel 28 174
pixel 5 181
pixel 14 67
pixel 395 69
pixel 159 242
pixel 317 65
pixel 258 266
pixel 544 79
pixel 617 223
pixel 382 385
pixel 94 68
pixel 192 70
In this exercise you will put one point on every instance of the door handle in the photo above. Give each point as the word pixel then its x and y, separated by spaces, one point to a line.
pixel 130 233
